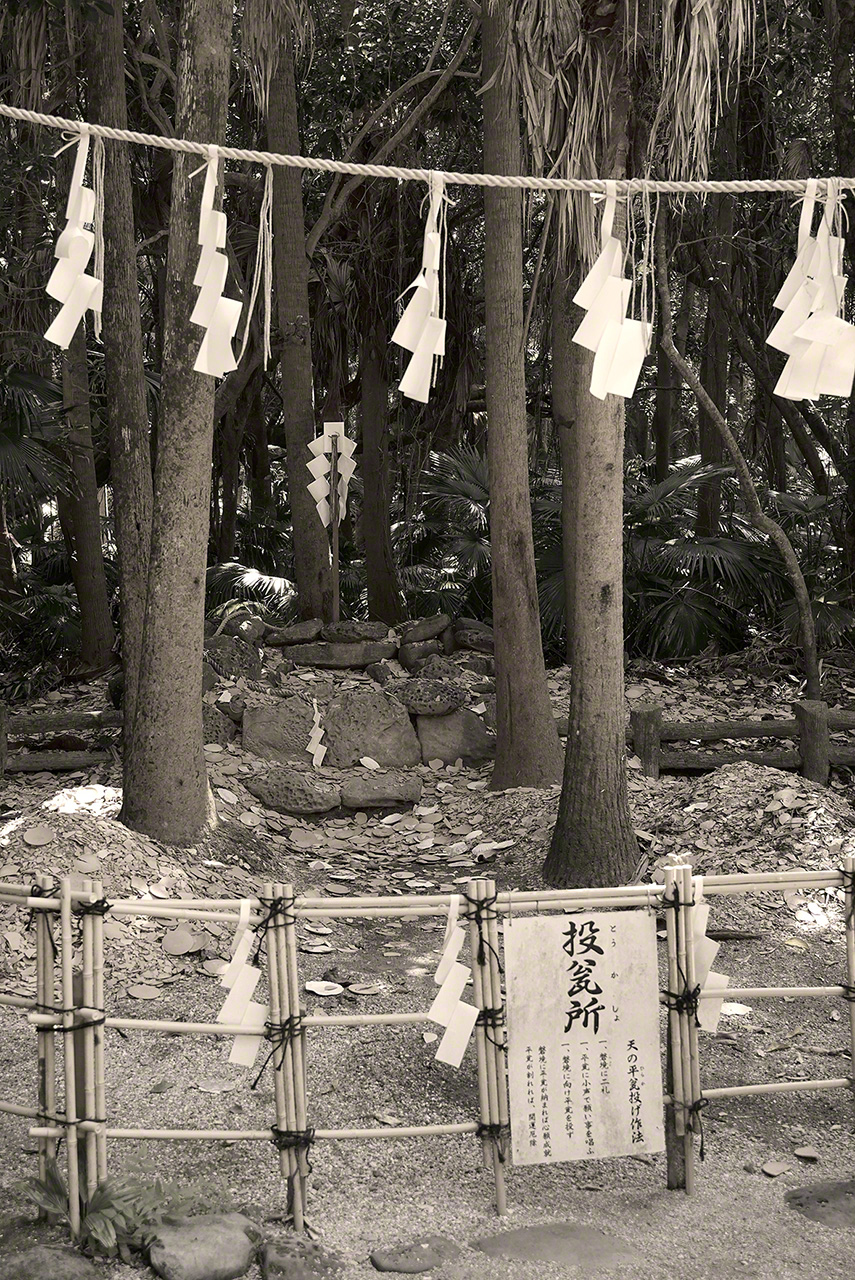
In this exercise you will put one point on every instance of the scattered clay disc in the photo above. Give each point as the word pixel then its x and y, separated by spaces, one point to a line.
pixel 179 941
pixel 366 988
pixel 142 991
pixel 320 988
pixel 774 1168
pixel 215 1086
pixel 38 835
pixel 807 1153
pixel 317 928
pixel 215 967
pixel 316 948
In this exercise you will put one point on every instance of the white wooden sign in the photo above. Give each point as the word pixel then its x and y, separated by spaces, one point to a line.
pixel 584 1072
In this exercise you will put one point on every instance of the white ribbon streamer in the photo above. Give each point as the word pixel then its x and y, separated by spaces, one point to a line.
pixel 217 315
pixel 421 328
pixel 69 282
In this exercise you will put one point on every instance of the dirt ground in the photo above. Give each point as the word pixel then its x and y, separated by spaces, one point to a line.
pixel 372 1193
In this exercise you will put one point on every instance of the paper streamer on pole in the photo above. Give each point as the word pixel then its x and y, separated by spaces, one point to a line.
pixel 818 342
pixel 619 344
pixel 217 315
pixel 421 329
pixel 319 467
pixel 315 746
pixel 69 282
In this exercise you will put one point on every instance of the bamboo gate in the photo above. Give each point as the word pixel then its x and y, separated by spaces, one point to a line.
pixel 80 1019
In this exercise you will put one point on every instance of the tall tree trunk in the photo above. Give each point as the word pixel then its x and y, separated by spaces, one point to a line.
pixel 593 841
pixel 83 513
pixel 127 418
pixel 231 437
pixel 569 369
pixel 385 600
pixel 528 752
pixel 311 547
pixel 166 783
pixel 8 568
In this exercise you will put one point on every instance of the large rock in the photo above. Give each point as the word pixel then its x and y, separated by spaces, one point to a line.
pixel 245 624
pixel 831 1203
pixel 378 790
pixel 215 726
pixel 47 1262
pixel 458 735
pixel 296 633
pixel 410 655
pixel 425 697
pixel 211 1246
pixel 368 722
pixel 352 632
pixel 359 654
pixel 478 641
pixel 290 791
pixel 421 1255
pixel 295 1258
pixel 437 667
pixel 279 732
pixel 425 628
pixel 567 1244
pixel 232 657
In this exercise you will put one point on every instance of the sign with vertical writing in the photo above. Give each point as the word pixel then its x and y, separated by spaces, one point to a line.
pixel 584 1072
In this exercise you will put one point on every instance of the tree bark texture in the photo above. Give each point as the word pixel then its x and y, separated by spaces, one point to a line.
pixel 312 573
pixel 167 793
pixel 747 488
pixel 385 601
pixel 231 439
pixel 127 418
pixel 715 364
pixel 84 514
pixel 568 373
pixel 593 841
pixel 528 752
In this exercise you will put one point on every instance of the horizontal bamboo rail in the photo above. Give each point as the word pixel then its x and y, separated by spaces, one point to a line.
pixel 262 1135
pixel 238 1029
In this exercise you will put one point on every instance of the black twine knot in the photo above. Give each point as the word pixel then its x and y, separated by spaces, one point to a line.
pixel 848 993
pixel 497 1133
pixel 273 907
pixel 36 891
pixel 98 907
pixel 694 1111
pixel 480 910
pixel 492 1020
pixel 686 1001
pixel 279 1035
pixel 292 1139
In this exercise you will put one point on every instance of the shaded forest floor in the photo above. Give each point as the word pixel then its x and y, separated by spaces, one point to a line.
pixel 368 1194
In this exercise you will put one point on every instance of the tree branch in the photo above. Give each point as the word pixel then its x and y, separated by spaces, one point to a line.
pixel 761 521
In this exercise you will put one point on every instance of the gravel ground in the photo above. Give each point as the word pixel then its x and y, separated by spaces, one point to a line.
pixel 368 1194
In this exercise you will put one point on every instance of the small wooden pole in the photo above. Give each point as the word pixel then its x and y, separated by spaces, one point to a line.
pixel 645 722
pixel 478 890
pixel 290 981
pixel 68 1047
pixel 282 1075
pixel 849 917
pixel 86 1043
pixel 498 1035
pixel 676 1117
pixel 99 1034
pixel 687 913
pixel 814 742
pixel 334 522
pixel 44 1002
pixel 480 1036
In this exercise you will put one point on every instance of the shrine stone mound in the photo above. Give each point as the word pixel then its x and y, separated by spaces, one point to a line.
pixel 279 732
pixel 359 654
pixel 368 722
pixel 426 697
pixel 216 727
pixel 380 789
pixel 461 734
pixel 409 655
pixel 425 629
pixel 231 657
pixel 296 633
pixel 353 632
pixel 290 791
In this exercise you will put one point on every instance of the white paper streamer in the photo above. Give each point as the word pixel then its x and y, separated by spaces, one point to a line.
pixel 321 464
pixel 217 315
pixel 69 283
pixel 619 344
pixel 421 329
pixel 818 343
pixel 315 746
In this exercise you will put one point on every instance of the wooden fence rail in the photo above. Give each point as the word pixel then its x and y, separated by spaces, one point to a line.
pixel 812 726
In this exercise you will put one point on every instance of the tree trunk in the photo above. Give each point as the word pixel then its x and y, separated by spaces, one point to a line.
pixel 231 438
pixel 714 372
pixel 125 394
pixel 167 793
pixel 84 515
pixel 385 601
pixel 312 573
pixel 528 752
pixel 568 374
pixel 593 841
pixel 8 568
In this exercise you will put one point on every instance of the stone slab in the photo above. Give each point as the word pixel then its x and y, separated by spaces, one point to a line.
pixel 368 722
pixel 420 1255
pixel 568 1244
pixel 339 656
pixel 279 732
pixel 364 789
pixel 290 791
pixel 461 734
pixel 295 1258
pixel 425 628
pixel 831 1203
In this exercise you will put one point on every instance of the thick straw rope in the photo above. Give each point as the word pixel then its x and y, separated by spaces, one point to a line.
pixel 629 186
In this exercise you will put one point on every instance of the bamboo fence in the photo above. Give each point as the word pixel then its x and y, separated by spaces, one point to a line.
pixel 77 1014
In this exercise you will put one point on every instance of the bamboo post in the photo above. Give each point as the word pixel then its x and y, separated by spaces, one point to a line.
pixel 68 1047
pixel 85 1050
pixel 645 724
pixel 334 520
pixel 849 917
pixel 99 1035
pixel 477 890
pixel 498 1032
pixel 685 1049
pixel 687 898
pixel 46 1048
pixel 480 1037
pixel 814 743
pixel 283 1083
pixel 290 982
pixel 676 1117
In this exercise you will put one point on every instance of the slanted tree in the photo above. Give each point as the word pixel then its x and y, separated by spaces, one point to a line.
pixel 528 752
pixel 166 783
